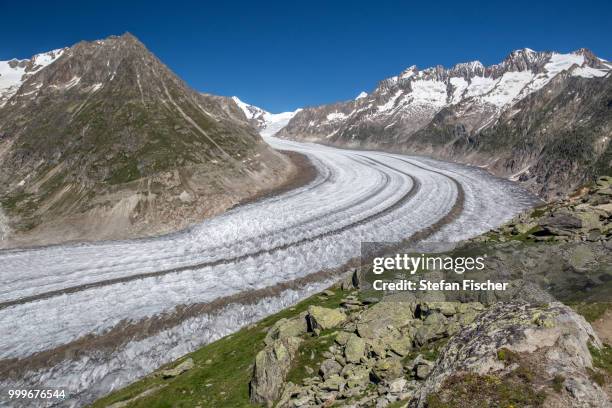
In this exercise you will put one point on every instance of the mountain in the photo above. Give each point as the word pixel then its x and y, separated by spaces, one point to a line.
pixel 542 118
pixel 267 123
pixel 101 140
pixel 14 72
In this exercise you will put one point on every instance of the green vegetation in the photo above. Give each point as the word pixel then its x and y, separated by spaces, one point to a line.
pixel 557 383
pixel 591 311
pixel 507 356
pixel 222 369
pixel 473 390
pixel 310 355
pixel 602 358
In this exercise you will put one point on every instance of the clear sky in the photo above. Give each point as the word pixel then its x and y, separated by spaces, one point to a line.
pixel 284 55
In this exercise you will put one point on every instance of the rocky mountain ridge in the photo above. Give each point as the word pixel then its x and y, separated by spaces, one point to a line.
pixel 104 141
pixel 268 124
pixel 14 72
pixel 461 114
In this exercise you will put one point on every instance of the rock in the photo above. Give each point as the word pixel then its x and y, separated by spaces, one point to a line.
pixel 445 308
pixel 580 257
pixel 272 365
pixel 523 228
pixel 333 383
pixel 289 391
pixel 356 375
pixel 179 369
pixel 376 320
pixel 342 337
pixel 388 369
pixel 329 367
pixel 376 347
pixel 354 349
pixel 422 371
pixel 604 181
pixel 400 345
pixel 283 328
pixel 561 220
pixel 302 401
pixel 607 208
pixel 589 220
pixel 397 386
pixel 433 328
pixel 323 318
pixel 553 337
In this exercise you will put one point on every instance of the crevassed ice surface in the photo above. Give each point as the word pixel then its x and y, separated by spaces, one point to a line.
pixel 357 196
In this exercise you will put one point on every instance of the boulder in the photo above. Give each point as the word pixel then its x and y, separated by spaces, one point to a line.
pixel 179 369
pixel 272 364
pixel 553 338
pixel 434 327
pixel 376 320
pixel 283 328
pixel 333 383
pixel 354 349
pixel 561 221
pixel 329 367
pixel 342 337
pixel 323 318
pixel 388 369
pixel 356 375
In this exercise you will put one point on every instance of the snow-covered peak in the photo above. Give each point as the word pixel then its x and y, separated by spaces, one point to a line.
pixel 14 72
pixel 361 95
pixel 267 123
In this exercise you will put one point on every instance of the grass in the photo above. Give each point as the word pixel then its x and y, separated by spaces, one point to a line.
pixel 311 355
pixel 591 311
pixel 222 369
pixel 474 390
pixel 557 383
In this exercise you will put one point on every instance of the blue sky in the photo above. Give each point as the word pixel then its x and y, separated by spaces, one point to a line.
pixel 284 55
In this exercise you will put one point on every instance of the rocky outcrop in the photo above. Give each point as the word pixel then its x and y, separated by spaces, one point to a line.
pixel 179 369
pixel 546 342
pixel 271 367
pixel 376 358
pixel 321 318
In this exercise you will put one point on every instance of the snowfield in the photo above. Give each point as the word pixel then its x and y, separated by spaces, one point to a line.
pixel 53 296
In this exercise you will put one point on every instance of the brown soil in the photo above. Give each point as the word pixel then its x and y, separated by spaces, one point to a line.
pixel 603 327
pixel 304 174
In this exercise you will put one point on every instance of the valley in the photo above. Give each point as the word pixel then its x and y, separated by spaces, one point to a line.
pixel 268 248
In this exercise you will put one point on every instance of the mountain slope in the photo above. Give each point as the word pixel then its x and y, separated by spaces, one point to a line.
pixel 107 142
pixel 442 112
pixel 267 123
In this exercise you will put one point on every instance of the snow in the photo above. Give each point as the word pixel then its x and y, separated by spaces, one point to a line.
pixel 429 92
pixel 459 86
pixel 272 122
pixel 390 103
pixel 508 87
pixel 249 113
pixel 562 62
pixel 276 121
pixel 361 95
pixel 11 78
pixel 479 86
pixel 335 116
pixel 408 73
pixel 588 72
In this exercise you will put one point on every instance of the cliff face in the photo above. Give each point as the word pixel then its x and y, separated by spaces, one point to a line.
pixel 542 118
pixel 106 142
